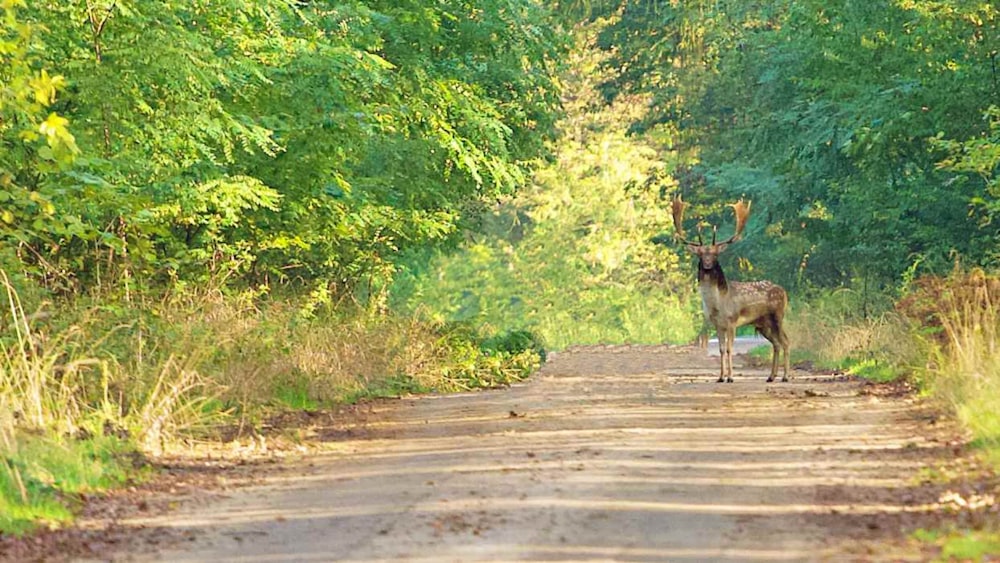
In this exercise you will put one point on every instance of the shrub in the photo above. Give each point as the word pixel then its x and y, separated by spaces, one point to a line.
pixel 515 342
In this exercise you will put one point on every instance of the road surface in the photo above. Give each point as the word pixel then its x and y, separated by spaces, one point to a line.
pixel 607 454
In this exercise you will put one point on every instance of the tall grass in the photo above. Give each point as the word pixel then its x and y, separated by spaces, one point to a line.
pixel 845 330
pixel 85 387
pixel 73 380
pixel 52 430
pixel 960 325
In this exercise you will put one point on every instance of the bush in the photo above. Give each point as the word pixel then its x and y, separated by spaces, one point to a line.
pixel 514 342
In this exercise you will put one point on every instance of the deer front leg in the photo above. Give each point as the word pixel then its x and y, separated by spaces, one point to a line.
pixel 721 333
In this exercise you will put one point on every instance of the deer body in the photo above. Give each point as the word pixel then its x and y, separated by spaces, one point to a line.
pixel 730 305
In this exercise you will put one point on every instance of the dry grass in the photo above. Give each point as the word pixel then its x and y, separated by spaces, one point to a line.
pixel 64 408
pixel 80 385
pixel 259 353
pixel 961 324
pixel 833 331
pixel 62 382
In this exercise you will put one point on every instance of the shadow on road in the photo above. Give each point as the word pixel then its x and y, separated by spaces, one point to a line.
pixel 624 453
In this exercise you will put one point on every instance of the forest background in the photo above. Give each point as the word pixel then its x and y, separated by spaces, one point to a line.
pixel 212 211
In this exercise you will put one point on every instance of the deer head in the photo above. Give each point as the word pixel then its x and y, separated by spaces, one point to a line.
pixel 708 254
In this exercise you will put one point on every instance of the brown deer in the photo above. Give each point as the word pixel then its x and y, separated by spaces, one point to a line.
pixel 729 305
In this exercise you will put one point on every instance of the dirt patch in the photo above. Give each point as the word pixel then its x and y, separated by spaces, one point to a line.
pixel 610 453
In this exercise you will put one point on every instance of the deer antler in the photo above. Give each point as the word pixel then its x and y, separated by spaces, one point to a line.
pixel 678 212
pixel 742 210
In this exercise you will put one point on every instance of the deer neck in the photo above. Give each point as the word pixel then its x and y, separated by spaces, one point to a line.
pixel 714 289
pixel 712 279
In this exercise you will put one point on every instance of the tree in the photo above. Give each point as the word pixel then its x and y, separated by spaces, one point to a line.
pixel 278 140
pixel 827 115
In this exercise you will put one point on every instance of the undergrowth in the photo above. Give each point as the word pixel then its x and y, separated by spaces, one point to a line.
pixel 959 322
pixel 89 386
pixel 847 331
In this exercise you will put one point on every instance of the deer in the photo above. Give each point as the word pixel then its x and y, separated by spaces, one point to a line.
pixel 729 305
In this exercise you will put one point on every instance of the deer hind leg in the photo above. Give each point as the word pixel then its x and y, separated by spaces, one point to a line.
pixel 780 338
pixel 730 339
pixel 785 346
pixel 770 329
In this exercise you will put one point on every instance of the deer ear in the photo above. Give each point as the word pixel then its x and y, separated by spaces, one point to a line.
pixel 721 247
pixel 693 248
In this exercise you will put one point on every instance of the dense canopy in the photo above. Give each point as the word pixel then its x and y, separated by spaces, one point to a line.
pixel 272 139
pixel 866 132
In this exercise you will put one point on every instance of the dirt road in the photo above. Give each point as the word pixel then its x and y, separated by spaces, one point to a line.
pixel 625 454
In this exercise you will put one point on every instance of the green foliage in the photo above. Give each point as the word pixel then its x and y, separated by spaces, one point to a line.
pixel 570 258
pixel 271 141
pixel 873 370
pixel 477 360
pixel 294 395
pixel 37 143
pixel 979 157
pixel 391 387
pixel 514 342
pixel 971 546
pixel 855 127
pixel 41 476
pixel 955 545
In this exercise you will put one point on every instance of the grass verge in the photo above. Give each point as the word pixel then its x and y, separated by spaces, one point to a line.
pixel 959 323
pixel 960 545
pixel 841 331
pixel 43 479
pixel 86 390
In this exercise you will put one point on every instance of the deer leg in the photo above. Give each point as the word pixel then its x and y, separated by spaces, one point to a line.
pixel 774 362
pixel 770 330
pixel 786 347
pixel 725 358
pixel 729 351
pixel 721 334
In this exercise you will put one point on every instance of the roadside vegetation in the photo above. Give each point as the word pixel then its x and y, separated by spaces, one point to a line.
pixel 202 206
